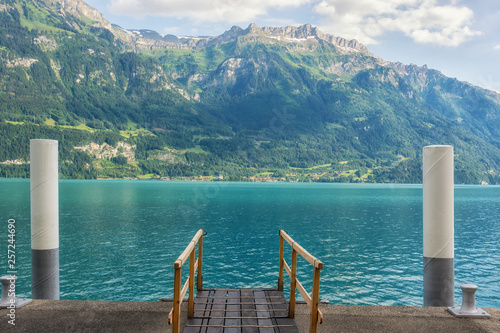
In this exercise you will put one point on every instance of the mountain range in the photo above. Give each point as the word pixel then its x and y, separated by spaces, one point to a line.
pixel 260 103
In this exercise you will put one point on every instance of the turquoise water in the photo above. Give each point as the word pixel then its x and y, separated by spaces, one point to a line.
pixel 119 239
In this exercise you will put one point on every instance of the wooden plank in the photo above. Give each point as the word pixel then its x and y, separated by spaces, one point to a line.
pixel 208 313
pixel 232 316
pixel 266 314
pixel 257 302
pixel 286 325
pixel 280 317
pixel 201 300
pixel 216 324
pixel 263 315
pixel 199 313
pixel 248 310
pixel 243 298
pixel 280 308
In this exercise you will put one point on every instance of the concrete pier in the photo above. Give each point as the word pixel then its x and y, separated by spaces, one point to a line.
pixel 106 316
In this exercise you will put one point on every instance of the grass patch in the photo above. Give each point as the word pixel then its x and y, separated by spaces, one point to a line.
pixel 313 167
pixel 81 127
pixel 136 132
pixel 197 150
pixel 104 164
pixel 153 53
pixel 131 125
pixel 360 118
pixel 37 17
pixel 321 166
pixel 87 20
pixel 148 176
pixel 331 126
pixel 366 175
pixel 134 164
pixel 50 122
pixel 31 25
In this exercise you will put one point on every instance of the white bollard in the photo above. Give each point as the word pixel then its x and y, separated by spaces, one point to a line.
pixel 9 300
pixel 44 187
pixel 438 225
pixel 468 298
pixel 468 308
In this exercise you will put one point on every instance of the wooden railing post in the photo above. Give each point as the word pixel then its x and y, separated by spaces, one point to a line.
pixel 280 279
pixel 177 298
pixel 181 290
pixel 293 284
pixel 191 285
pixel 315 300
pixel 199 280
pixel 312 301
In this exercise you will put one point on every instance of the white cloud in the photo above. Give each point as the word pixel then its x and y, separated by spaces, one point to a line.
pixel 446 22
pixel 496 47
pixel 425 21
pixel 230 11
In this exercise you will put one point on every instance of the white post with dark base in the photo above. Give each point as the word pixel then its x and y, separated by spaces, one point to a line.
pixel 438 225
pixel 44 188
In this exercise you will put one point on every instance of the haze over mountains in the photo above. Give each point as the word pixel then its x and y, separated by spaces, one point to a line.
pixel 257 102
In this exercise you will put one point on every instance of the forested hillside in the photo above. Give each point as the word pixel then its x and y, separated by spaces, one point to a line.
pixel 252 104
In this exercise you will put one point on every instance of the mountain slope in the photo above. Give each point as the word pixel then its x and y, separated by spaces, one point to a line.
pixel 287 102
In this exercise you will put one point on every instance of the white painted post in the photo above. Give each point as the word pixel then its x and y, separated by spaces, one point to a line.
pixel 44 188
pixel 438 225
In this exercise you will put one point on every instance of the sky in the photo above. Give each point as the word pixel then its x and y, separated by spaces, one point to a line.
pixel 460 38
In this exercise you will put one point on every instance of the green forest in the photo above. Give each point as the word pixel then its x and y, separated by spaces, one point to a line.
pixel 246 108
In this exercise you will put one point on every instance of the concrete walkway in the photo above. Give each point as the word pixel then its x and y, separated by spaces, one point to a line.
pixel 105 316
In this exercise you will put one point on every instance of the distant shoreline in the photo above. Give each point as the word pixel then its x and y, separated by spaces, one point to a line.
pixel 248 181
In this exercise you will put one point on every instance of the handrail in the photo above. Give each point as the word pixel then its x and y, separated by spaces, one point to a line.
pixel 312 301
pixel 174 315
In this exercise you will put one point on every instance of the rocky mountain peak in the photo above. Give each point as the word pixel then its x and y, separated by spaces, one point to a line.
pixel 234 30
pixel 303 31
pixel 306 31
pixel 78 9
pixel 253 29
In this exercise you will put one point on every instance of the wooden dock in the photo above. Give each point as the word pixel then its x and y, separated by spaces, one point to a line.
pixel 243 310
pixel 240 310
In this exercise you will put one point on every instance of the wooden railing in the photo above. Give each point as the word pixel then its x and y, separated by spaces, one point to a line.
pixel 174 315
pixel 312 301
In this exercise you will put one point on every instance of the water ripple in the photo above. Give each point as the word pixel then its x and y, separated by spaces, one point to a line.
pixel 119 240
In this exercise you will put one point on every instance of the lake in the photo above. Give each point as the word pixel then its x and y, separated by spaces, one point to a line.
pixel 119 239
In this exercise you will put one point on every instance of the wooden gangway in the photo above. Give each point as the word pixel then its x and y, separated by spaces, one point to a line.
pixel 243 310
pixel 240 310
